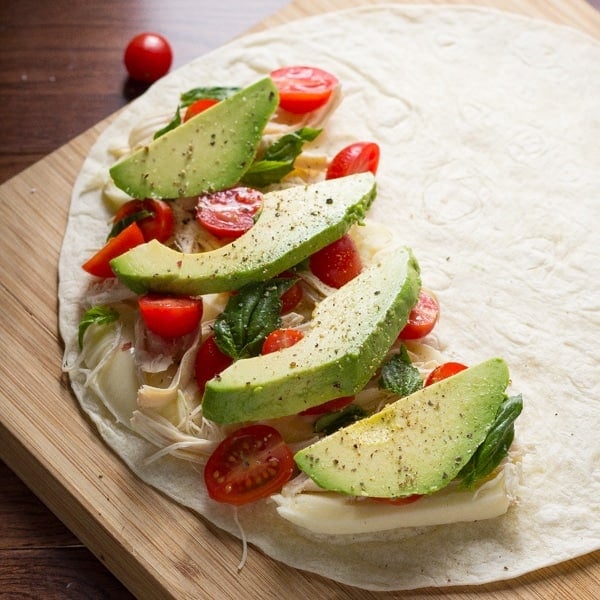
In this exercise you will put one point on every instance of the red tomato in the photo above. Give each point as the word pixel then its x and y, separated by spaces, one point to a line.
pixel 99 264
pixel 359 157
pixel 148 57
pixel 195 108
pixel 400 501
pixel 280 339
pixel 170 316
pixel 422 317
pixel 337 263
pixel 292 296
pixel 329 406
pixel 160 226
pixel 210 361
pixel 252 463
pixel 303 89
pixel 229 213
pixel 445 370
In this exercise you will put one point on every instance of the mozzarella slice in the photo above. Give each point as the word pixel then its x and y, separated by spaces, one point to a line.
pixel 329 513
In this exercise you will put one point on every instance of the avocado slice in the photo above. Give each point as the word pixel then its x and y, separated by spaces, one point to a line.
pixel 415 445
pixel 207 153
pixel 293 224
pixel 352 331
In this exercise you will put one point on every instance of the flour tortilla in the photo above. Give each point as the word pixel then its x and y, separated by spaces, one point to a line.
pixel 489 128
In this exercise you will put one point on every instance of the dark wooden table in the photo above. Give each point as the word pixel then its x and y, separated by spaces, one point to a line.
pixel 60 73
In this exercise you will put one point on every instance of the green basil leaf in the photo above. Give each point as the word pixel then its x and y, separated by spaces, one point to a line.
pixel 99 315
pixel 175 122
pixel 496 444
pixel 278 159
pixel 249 317
pixel 333 421
pixel 199 93
pixel 127 221
pixel 399 376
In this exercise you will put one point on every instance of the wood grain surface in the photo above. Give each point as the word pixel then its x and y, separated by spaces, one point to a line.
pixel 60 74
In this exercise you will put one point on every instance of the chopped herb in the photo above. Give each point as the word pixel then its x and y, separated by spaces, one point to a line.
pixel 278 159
pixel 333 421
pixel 399 376
pixel 249 317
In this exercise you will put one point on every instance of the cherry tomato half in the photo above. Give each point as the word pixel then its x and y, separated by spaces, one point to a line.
pixel 159 226
pixel 197 107
pixel 280 339
pixel 170 316
pixel 99 263
pixel 252 463
pixel 229 213
pixel 303 89
pixel 422 317
pixel 337 263
pixel 329 406
pixel 358 157
pixel 444 370
pixel 148 56
pixel 210 361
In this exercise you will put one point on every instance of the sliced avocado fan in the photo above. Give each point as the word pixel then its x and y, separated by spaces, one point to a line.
pixel 416 445
pixel 293 224
pixel 352 331
pixel 209 152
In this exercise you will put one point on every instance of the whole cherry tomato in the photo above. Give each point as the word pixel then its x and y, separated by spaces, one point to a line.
pixel 148 56
pixel 337 263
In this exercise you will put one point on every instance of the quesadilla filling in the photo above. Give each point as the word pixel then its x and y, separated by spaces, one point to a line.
pixel 165 364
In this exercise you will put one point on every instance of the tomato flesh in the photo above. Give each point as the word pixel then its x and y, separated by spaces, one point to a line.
pixel 197 107
pixel 358 157
pixel 99 263
pixel 422 317
pixel 170 316
pixel 159 226
pixel 252 463
pixel 229 213
pixel 280 339
pixel 148 56
pixel 400 501
pixel 329 406
pixel 444 370
pixel 210 361
pixel 337 263
pixel 292 296
pixel 303 89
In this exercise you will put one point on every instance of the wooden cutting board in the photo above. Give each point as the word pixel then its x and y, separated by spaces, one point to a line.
pixel 158 549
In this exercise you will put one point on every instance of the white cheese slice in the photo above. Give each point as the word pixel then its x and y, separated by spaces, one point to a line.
pixel 329 513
